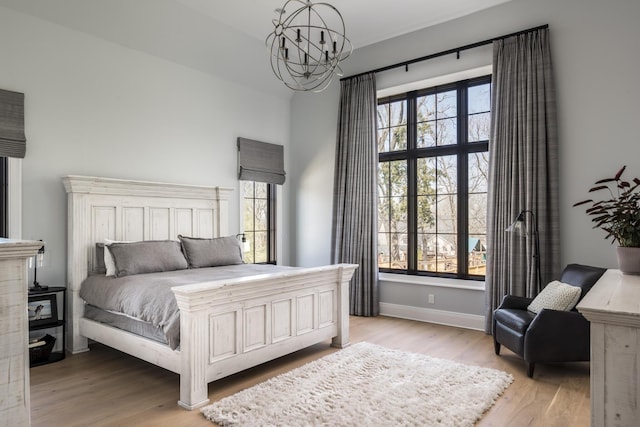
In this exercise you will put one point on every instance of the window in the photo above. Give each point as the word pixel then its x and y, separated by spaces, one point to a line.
pixel 4 192
pixel 259 216
pixel 432 187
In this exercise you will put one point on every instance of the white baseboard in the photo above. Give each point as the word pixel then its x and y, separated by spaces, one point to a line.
pixel 449 318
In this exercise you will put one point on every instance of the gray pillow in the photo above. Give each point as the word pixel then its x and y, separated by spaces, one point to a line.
pixel 150 256
pixel 211 252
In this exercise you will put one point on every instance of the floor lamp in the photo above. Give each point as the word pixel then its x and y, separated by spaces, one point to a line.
pixel 517 227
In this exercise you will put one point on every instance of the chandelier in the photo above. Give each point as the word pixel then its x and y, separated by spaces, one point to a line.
pixel 307 45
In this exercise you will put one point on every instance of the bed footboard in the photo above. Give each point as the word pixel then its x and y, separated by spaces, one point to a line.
pixel 228 326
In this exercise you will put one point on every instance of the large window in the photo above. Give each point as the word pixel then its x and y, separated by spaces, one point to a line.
pixel 259 216
pixel 432 187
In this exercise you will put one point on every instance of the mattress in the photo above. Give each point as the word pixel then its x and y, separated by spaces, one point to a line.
pixel 149 299
pixel 126 323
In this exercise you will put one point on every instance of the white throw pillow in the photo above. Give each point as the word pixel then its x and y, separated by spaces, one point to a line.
pixel 556 296
pixel 109 263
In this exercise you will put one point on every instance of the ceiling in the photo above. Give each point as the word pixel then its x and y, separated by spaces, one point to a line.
pixel 226 37
pixel 367 21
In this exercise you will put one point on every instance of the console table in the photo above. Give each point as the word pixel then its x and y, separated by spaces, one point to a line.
pixel 14 333
pixel 613 308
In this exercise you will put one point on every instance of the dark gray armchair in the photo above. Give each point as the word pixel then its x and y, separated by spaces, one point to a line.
pixel 550 335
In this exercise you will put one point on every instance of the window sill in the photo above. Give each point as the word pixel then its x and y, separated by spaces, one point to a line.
pixel 473 285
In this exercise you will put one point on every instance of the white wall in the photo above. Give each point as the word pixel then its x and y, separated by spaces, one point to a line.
pixel 313 122
pixel 594 46
pixel 97 108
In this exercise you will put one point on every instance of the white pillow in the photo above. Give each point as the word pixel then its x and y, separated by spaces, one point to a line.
pixel 556 296
pixel 109 263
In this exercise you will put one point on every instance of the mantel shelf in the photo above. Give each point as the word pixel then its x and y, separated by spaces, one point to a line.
pixel 615 299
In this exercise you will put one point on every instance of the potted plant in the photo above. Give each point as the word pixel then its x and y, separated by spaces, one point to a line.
pixel 618 213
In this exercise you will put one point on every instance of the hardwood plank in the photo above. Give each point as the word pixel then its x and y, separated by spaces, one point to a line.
pixel 105 387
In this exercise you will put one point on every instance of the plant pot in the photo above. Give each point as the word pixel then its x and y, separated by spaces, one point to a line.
pixel 629 260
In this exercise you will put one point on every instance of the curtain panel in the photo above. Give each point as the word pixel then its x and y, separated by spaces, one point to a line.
pixel 260 161
pixel 13 143
pixel 523 168
pixel 355 207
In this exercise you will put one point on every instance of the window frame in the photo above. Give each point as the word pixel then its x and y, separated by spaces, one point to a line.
pixel 463 149
pixel 13 188
pixel 272 190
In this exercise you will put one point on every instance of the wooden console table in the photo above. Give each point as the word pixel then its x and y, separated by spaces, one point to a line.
pixel 613 308
pixel 14 333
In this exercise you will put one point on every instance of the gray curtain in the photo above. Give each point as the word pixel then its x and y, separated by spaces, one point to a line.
pixel 523 168
pixel 355 208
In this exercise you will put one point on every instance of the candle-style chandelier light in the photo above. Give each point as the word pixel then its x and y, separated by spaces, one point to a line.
pixel 307 45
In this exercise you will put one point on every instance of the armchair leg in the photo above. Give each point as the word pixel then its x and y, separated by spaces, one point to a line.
pixel 496 347
pixel 530 368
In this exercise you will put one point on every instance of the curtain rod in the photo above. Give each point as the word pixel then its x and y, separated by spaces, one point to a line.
pixel 446 52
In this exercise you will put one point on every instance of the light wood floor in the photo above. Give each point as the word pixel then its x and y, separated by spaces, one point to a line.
pixel 104 387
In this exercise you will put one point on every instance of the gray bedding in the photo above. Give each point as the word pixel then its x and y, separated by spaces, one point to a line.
pixel 148 297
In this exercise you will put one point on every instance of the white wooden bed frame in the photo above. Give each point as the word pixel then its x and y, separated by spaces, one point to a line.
pixel 225 326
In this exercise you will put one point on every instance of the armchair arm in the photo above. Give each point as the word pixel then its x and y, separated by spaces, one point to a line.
pixel 557 336
pixel 512 301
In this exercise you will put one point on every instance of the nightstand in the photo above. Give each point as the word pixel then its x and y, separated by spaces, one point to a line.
pixel 43 315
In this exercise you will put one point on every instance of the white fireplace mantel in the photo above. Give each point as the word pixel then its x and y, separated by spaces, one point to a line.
pixel 14 331
pixel 613 308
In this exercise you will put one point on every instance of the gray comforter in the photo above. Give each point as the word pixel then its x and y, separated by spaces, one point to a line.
pixel 148 297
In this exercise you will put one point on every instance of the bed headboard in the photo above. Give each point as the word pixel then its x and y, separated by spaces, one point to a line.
pixel 120 209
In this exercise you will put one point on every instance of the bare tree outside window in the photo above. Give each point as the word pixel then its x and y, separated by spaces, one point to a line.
pixel 392 187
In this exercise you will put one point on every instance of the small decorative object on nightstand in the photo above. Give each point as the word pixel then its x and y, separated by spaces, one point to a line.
pixel 43 315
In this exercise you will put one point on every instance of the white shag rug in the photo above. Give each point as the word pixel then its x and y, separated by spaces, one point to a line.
pixel 366 385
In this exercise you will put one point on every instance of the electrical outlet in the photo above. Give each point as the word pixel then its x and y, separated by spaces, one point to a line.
pixel 432 299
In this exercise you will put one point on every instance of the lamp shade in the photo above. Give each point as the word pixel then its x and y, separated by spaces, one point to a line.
pixel 40 259
pixel 517 227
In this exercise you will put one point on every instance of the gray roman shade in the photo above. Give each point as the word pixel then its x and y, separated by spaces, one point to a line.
pixel 260 161
pixel 12 140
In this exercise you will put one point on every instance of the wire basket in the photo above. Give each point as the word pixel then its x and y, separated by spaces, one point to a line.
pixel 41 353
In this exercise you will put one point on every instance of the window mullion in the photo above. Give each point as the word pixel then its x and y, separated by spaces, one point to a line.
pixel 463 168
pixel 271 221
pixel 4 191
pixel 412 239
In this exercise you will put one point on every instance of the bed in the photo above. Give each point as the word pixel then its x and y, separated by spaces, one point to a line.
pixel 226 325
